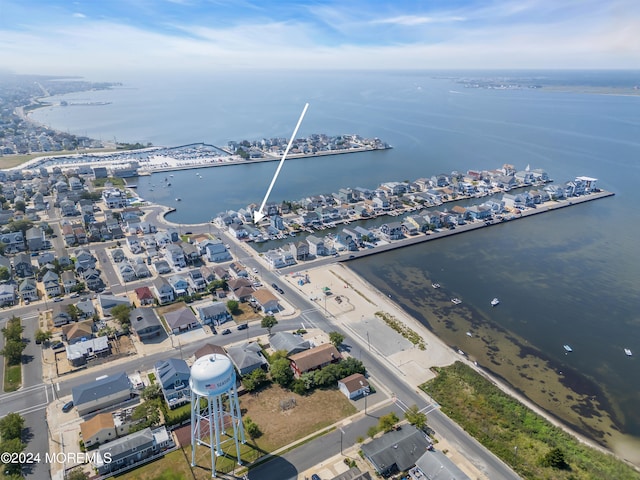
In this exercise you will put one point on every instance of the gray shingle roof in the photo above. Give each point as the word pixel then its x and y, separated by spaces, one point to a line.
pixel 88 392
pixel 401 448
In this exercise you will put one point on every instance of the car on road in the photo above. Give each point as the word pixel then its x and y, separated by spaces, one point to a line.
pixel 188 233
pixel 243 326
pixel 74 295
pixel 58 299
pixel 280 291
pixel 255 270
pixel 226 331
pixel 57 346
pixel 67 407
pixel 275 286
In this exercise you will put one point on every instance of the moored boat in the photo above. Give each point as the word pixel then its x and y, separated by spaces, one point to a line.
pixel 628 352
pixel 435 285
pixel 456 301
pixel 567 348
pixel 495 302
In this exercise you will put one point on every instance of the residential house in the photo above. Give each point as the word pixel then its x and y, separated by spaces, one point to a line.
pixel 162 267
pixel 207 274
pixel 162 290
pixel 68 281
pixel 300 250
pixel 51 283
pixel 7 294
pixel 145 323
pixel 140 269
pixel 68 234
pixel 314 359
pixel 84 260
pixel 191 254
pixel 101 393
pixel 60 316
pixel 13 241
pixel 23 266
pixel 86 309
pixel 391 231
pixel 241 288
pixel 179 285
pixel 118 255
pixel 107 302
pixel 35 239
pixel 99 429
pixel 181 320
pixel 316 246
pixel 77 331
pixel 396 451
pixel 114 198
pixel 267 302
pixel 134 245
pixel 46 258
pixel 173 375
pixel 215 313
pixel 175 256
pixel 216 251
pixel 126 272
pixel 132 449
pixel 144 296
pixel 238 270
pixel 209 349
pixel 197 281
pixel 68 208
pixel 354 386
pixel 434 464
pixel 289 342
pixel 92 279
pixel 221 272
pixel 279 258
pixel 80 353
pixel 28 290
pixel 247 357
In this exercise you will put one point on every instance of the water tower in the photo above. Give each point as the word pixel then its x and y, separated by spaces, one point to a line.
pixel 215 411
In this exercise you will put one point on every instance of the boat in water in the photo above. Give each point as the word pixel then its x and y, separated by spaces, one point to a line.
pixel 567 348
pixel 435 285
pixel 495 302
pixel 628 352
pixel 178 199
pixel 456 301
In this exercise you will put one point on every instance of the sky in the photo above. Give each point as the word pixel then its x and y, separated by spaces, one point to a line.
pixel 61 37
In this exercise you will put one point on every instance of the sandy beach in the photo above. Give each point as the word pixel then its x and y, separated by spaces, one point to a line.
pixel 357 314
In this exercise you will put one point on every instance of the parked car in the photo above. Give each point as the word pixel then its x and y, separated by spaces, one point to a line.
pixel 58 299
pixel 243 326
pixel 74 295
pixel 275 286
pixel 226 331
pixel 315 477
pixel 67 407
pixel 280 291
pixel 57 346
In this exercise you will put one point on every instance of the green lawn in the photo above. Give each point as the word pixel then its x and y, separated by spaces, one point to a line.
pixel 12 377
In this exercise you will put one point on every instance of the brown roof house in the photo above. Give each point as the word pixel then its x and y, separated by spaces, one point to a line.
pixel 208 349
pixel 145 296
pixel 98 429
pixel 314 359
pixel 354 386
pixel 266 300
pixel 181 320
pixel 76 332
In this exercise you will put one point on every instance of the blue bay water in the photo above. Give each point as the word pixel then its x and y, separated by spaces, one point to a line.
pixel 570 276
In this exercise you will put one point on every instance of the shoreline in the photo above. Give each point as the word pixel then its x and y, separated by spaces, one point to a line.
pixel 364 299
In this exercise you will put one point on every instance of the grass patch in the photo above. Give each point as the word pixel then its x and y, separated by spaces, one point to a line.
pixel 501 423
pixel 12 377
pixel 116 182
pixel 152 378
pixel 351 287
pixel 402 329
pixel 173 466
pixel 311 413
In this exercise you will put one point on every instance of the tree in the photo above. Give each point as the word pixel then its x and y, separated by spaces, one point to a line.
pixel 74 312
pixel 77 474
pixel 554 458
pixel 11 426
pixel 251 428
pixel 12 445
pixel 281 372
pixel 12 351
pixel 5 274
pixel 232 306
pixel 121 314
pixel 14 329
pixel 148 413
pixel 78 287
pixel 388 421
pixel 336 338
pixel 415 417
pixel 268 322
pixel 42 336
pixel 151 392
pixel 254 380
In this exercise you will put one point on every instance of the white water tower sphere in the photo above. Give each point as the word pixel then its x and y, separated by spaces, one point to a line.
pixel 215 411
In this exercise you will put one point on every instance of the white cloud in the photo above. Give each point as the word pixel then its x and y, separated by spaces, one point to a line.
pixel 412 20
pixel 79 15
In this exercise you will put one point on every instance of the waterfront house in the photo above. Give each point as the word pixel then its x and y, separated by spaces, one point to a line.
pixel 215 313
pixel 145 323
pixel 314 359
pixel 391 231
pixel 163 291
pixel 316 246
pixel 101 393
pixel 180 320
pixel 173 375
pixel 247 357
pixel 114 198
pixel 279 258
pixel 299 250
pixel 418 223
pixel 479 212
pixel 409 228
pixel 238 231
